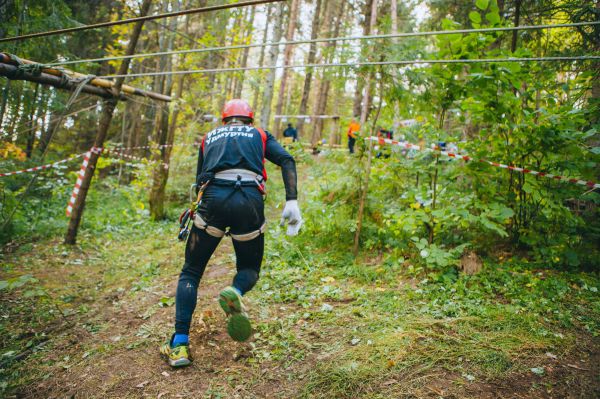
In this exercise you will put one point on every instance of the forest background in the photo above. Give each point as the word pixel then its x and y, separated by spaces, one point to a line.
pixel 420 216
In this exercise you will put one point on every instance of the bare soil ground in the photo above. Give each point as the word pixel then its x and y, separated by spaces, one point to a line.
pixel 111 350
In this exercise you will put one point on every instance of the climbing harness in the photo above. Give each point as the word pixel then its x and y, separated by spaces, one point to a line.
pixel 240 178
pixel 188 215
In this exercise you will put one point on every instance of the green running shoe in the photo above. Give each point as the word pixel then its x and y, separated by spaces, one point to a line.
pixel 178 356
pixel 238 325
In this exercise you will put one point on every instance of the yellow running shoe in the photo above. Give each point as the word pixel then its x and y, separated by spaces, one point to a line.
pixel 178 356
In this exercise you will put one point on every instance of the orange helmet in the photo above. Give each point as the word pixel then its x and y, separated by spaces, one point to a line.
pixel 237 107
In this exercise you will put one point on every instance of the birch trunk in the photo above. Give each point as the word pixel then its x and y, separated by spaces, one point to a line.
pixel 366 100
pixel 356 109
pixel 311 59
pixel 261 59
pixel 239 83
pixel 329 51
pixel 287 57
pixel 267 96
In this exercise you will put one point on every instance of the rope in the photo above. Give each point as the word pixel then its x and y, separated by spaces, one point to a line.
pixel 360 64
pixel 22 68
pixel 138 19
pixel 333 39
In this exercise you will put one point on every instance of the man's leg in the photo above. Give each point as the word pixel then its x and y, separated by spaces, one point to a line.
pixel 249 255
pixel 199 248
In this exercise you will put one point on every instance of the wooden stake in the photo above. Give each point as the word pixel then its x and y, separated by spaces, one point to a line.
pixel 100 83
pixel 11 72
pixel 363 197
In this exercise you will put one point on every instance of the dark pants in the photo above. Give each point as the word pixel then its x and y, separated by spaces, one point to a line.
pixel 351 141
pixel 242 210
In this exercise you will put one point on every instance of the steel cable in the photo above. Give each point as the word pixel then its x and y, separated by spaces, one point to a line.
pixel 361 64
pixel 138 19
pixel 322 40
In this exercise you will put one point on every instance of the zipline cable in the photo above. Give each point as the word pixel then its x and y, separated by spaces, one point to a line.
pixel 360 64
pixel 137 19
pixel 332 39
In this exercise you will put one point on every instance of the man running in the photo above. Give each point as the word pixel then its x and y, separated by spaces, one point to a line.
pixel 231 173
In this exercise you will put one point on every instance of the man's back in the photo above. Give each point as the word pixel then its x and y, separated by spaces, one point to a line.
pixel 229 147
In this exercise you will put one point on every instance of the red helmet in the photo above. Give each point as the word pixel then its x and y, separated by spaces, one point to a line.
pixel 237 107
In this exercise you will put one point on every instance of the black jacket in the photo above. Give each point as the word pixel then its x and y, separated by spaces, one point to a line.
pixel 242 147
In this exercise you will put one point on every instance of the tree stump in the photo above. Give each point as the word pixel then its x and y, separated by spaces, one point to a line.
pixel 470 263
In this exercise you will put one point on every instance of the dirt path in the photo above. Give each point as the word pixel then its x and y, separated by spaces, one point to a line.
pixel 122 360
pixel 111 351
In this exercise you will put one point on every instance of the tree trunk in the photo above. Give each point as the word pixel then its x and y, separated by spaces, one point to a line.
pixel 394 12
pixel 356 109
pixel 366 100
pixel 161 174
pixel 312 53
pixel 105 119
pixel 15 111
pixel 47 133
pixel 261 58
pixel 329 51
pixel 287 58
pixel 239 83
pixel 363 197
pixel 3 101
pixel 273 55
pixel 595 100
pixel 515 33
pixel 320 108
pixel 32 126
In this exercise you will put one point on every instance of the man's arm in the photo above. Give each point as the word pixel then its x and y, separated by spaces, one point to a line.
pixel 279 156
pixel 200 162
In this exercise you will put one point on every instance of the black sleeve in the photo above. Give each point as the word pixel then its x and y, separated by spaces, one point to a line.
pixel 279 156
pixel 199 167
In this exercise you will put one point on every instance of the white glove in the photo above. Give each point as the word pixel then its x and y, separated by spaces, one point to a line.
pixel 291 213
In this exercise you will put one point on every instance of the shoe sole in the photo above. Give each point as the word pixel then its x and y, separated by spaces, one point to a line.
pixel 239 327
pixel 230 303
pixel 179 362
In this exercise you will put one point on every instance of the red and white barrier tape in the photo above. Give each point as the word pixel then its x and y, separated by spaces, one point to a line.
pixel 467 158
pixel 143 147
pixel 84 164
pixel 75 192
pixel 118 152
pixel 42 167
